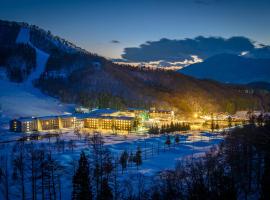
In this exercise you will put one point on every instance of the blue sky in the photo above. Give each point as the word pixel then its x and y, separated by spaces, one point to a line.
pixel 93 24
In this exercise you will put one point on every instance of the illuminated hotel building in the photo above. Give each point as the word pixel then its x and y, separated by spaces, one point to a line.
pixel 162 114
pixel 121 123
pixel 23 125
pixel 31 124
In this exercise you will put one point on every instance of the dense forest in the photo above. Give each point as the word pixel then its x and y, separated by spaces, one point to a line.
pixel 118 86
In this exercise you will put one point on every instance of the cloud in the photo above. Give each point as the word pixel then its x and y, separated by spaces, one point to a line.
pixel 115 41
pixel 181 50
pixel 161 63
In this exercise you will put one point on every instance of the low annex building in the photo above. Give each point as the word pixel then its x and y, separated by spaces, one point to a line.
pixel 27 124
pixel 161 114
pixel 32 124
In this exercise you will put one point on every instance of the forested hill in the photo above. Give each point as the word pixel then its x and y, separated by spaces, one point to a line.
pixel 75 75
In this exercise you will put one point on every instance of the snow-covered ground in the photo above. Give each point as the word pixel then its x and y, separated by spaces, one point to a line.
pixel 158 157
pixel 18 100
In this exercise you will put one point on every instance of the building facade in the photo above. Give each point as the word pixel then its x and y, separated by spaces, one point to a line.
pixel 67 122
pixel 161 114
pixel 110 123
pixel 115 123
pixel 23 125
pixel 48 123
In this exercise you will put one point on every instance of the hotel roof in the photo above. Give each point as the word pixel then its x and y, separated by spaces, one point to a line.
pixel 55 117
pixel 111 117
pixel 136 109
pixel 98 113
pixel 25 119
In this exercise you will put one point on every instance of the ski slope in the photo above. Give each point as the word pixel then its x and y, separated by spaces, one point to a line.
pixel 19 100
pixel 41 56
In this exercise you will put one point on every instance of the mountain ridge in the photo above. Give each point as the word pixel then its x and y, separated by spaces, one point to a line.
pixel 76 76
pixel 231 68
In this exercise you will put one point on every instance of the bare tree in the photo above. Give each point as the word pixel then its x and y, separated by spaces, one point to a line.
pixel 19 169
pixel 4 177
pixel 71 145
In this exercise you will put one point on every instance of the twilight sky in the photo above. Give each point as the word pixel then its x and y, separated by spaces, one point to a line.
pixel 106 27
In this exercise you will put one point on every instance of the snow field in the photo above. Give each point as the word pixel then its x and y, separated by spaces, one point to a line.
pixel 191 145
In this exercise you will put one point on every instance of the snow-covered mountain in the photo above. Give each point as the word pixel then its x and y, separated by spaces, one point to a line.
pixel 30 55
pixel 230 68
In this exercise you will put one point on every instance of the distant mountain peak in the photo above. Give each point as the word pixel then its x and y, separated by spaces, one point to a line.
pixel 230 68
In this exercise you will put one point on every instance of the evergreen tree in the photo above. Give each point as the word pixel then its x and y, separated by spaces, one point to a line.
pixel 177 139
pixel 123 160
pixel 229 121
pixel 168 140
pixel 107 164
pixel 162 129
pixel 138 157
pixel 81 181
pixel 212 124
pixel 131 158
pixel 216 126
pixel 154 130
pixel 260 120
pixel 106 193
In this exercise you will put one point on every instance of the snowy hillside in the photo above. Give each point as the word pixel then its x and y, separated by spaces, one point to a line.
pixel 22 99
pixel 41 56
pixel 19 100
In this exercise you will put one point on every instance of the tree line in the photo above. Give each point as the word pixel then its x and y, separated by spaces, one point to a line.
pixel 169 128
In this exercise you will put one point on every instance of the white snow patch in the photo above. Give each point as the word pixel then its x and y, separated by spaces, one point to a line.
pixel 19 100
pixel 243 53
pixel 23 36
pixel 41 60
